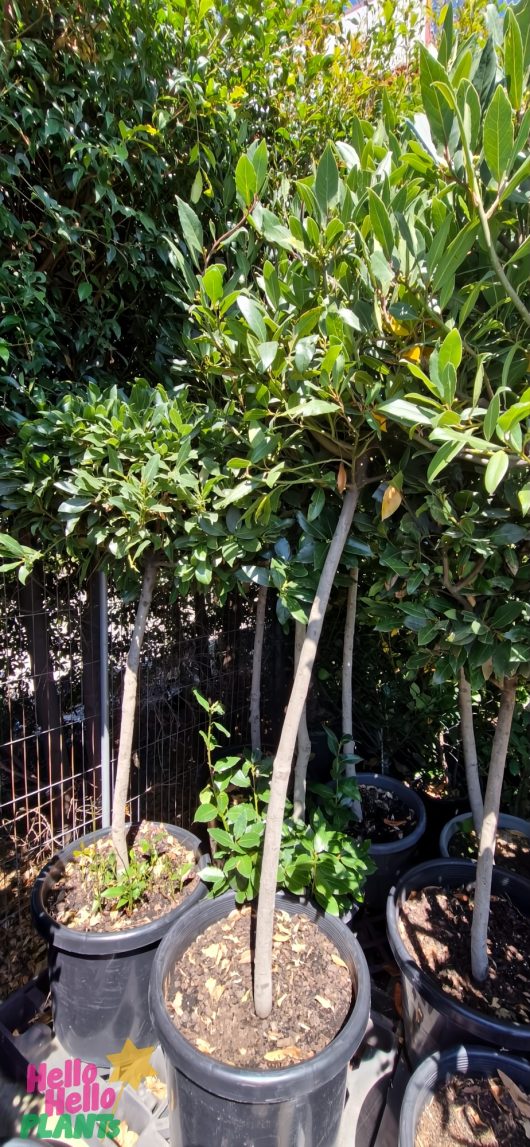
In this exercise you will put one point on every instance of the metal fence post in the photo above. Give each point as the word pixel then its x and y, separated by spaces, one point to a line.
pixel 104 700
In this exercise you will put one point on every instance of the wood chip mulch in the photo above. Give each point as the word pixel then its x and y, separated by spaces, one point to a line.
pixel 209 993
pixel 512 849
pixel 435 926
pixel 472 1111
pixel 71 902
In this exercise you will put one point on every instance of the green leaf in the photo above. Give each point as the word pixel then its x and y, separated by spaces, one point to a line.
pixel 515 182
pixel 327 181
pixel 84 291
pixel 196 187
pixel 506 614
pixel 495 471
pixel 450 350
pixel 498 134
pixel 191 229
pixel 524 499
pixel 316 505
pixel 272 230
pixel 468 105
pixel 212 281
pixel 205 812
pixel 491 417
pixel 381 224
pixel 406 412
pixel 455 254
pixel 522 16
pixel 439 115
pixel 513 59
pixel 259 158
pixel 246 180
pixel 312 408
pixel 441 459
pixel 267 353
pixel 251 312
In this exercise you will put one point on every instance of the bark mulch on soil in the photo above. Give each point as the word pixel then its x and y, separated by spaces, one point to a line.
pixel 471 1111
pixel 435 926
pixel 72 901
pixel 210 993
pixel 385 817
pixel 512 849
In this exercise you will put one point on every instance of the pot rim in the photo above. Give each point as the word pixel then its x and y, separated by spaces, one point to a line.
pixel 246 1084
pixel 105 943
pixel 464 872
pixel 438 1068
pixel 506 821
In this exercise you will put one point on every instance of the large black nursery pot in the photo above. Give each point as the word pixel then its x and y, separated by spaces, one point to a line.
pixel 434 1020
pixel 100 980
pixel 391 858
pixel 439 1068
pixel 213 1103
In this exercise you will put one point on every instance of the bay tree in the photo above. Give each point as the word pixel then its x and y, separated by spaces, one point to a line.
pixel 470 396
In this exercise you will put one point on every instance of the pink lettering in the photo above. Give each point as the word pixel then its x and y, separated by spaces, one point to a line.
pixel 36 1078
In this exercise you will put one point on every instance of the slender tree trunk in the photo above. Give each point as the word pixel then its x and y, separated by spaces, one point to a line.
pixel 303 739
pixel 284 755
pixel 347 667
pixel 91 685
pixel 492 800
pixel 128 712
pixel 469 747
pixel 255 688
pixel 47 705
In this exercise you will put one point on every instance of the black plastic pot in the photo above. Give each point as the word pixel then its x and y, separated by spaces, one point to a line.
pixel 99 981
pixel 516 823
pixel 213 1103
pixel 438 1069
pixel 392 858
pixel 434 1020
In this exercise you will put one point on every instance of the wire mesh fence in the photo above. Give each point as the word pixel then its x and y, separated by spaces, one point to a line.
pixel 50 712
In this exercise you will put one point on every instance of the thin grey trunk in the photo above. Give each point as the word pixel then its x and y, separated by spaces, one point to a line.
pixel 128 712
pixel 486 855
pixel 469 747
pixel 347 667
pixel 255 688
pixel 303 741
pixel 284 756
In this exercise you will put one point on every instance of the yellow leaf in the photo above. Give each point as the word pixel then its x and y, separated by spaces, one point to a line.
pixel 275 1056
pixel 202 1045
pixel 391 502
pixel 413 355
pixel 280 939
pixel 211 985
pixel 380 419
pixel 337 960
pixel 396 327
pixel 211 951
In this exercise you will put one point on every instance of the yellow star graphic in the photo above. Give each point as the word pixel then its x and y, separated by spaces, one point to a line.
pixel 131 1065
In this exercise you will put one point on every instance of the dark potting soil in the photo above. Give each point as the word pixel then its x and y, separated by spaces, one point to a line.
pixel 209 993
pixel 512 849
pixel 471 1110
pixel 75 901
pixel 385 817
pixel 435 926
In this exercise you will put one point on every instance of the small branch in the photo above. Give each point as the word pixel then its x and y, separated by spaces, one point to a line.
pixel 231 231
